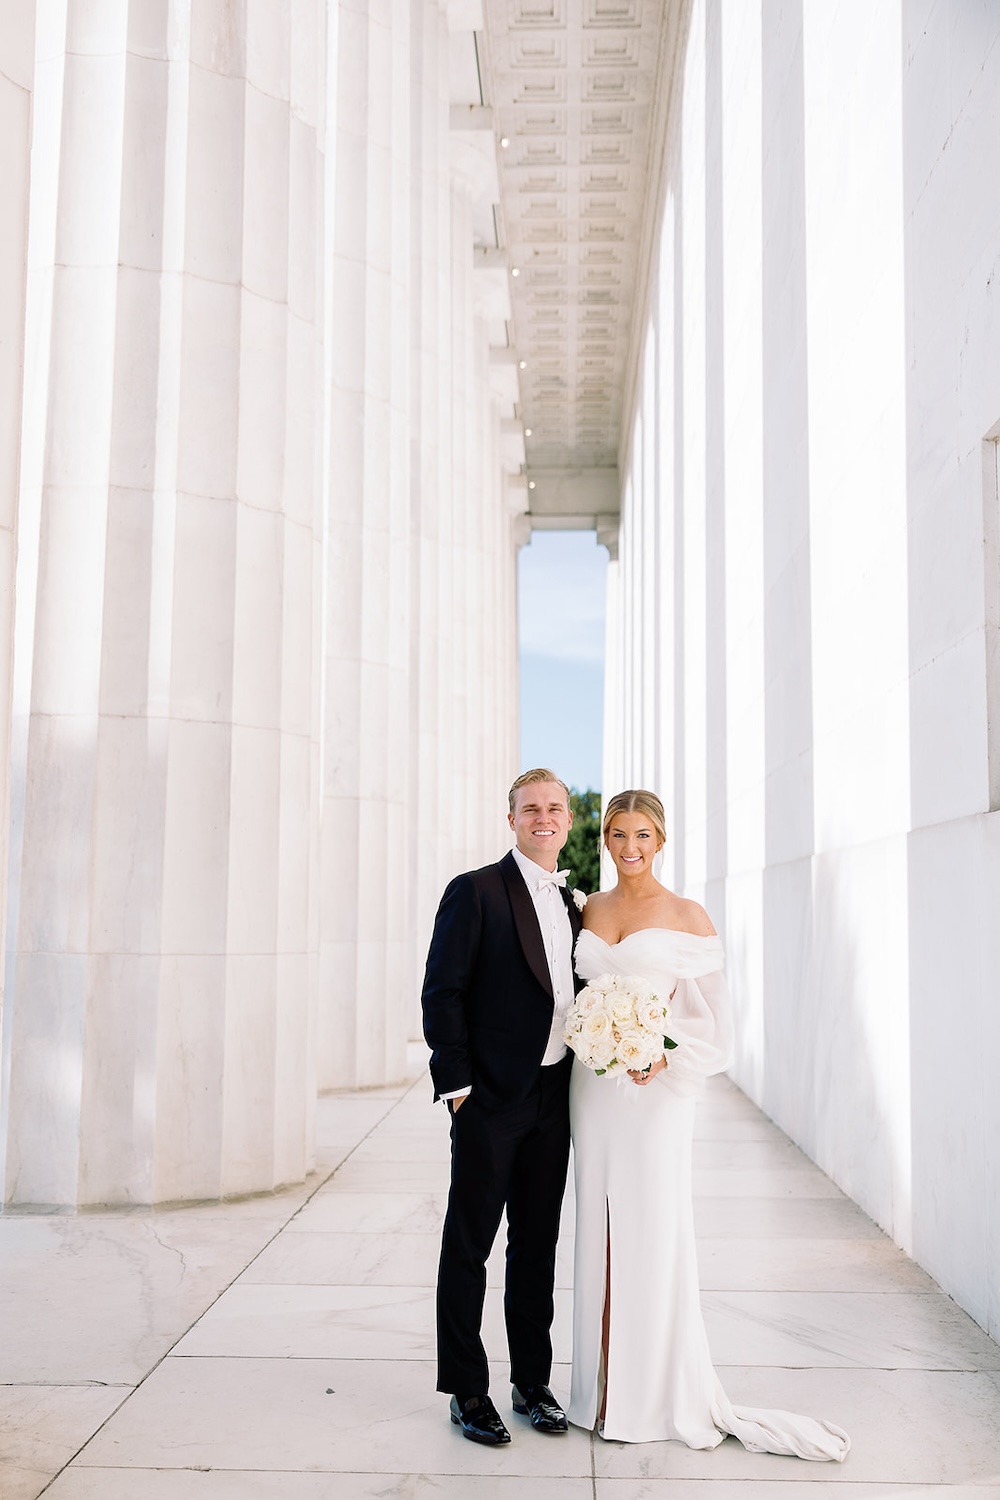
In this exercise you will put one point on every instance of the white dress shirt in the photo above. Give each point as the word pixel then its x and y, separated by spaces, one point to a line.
pixel 557 937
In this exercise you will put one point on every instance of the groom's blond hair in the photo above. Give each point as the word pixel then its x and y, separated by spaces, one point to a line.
pixel 528 778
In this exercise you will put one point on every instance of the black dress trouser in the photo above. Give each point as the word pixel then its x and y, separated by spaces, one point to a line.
pixel 514 1156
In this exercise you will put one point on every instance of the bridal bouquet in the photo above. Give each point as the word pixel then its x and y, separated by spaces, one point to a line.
pixel 617 1022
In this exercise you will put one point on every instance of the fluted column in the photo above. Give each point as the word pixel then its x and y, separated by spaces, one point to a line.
pixel 17 59
pixel 366 765
pixel 159 944
pixel 484 639
pixel 430 480
pixel 463 500
pixel 264 644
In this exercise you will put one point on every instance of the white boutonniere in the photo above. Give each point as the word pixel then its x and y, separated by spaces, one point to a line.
pixel 579 898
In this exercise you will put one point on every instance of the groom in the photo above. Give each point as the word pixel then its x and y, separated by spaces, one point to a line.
pixel 499 981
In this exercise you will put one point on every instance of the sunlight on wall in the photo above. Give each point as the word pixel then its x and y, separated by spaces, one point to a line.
pixel 665 646
pixel 858 521
pixel 692 496
pixel 766 478
pixel 741 236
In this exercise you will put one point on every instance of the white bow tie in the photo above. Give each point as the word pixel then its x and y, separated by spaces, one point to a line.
pixel 558 877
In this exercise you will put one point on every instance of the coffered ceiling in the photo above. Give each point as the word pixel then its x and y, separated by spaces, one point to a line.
pixel 571 84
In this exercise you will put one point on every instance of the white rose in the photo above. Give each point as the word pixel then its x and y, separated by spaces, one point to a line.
pixel 579 899
pixel 602 1053
pixel 587 1001
pixel 631 1054
pixel 621 1006
pixel 596 1028
pixel 652 1016
pixel 648 1047
pixel 572 1030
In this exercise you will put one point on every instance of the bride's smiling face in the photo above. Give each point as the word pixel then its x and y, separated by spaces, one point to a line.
pixel 632 842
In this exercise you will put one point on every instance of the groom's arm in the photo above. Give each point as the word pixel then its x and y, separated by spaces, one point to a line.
pixel 451 962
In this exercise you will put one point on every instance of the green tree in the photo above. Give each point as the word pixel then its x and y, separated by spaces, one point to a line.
pixel 582 852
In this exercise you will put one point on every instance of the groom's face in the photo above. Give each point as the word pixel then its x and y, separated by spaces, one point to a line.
pixel 541 821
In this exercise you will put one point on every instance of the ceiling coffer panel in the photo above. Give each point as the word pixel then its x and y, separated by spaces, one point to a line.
pixel 571 84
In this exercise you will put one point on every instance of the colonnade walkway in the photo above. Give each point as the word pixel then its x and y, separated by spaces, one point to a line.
pixel 283 1346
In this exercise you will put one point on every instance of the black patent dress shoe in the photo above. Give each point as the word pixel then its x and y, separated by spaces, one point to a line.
pixel 538 1403
pixel 479 1419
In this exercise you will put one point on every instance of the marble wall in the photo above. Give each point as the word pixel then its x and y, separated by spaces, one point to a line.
pixel 251 460
pixel 803 648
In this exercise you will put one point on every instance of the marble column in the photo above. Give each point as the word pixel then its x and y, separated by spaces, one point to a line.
pixel 17 56
pixel 461 773
pixel 365 837
pixel 263 645
pixel 159 996
pixel 483 649
pixel 431 812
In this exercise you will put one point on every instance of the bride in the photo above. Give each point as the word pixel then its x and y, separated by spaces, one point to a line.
pixel 642 1369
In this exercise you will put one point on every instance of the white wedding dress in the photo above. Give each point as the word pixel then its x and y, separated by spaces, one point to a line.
pixel 632 1148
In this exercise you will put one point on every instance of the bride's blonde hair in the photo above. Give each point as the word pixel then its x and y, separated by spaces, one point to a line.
pixel 638 801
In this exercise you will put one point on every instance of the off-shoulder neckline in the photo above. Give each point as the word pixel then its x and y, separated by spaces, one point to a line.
pixel 701 937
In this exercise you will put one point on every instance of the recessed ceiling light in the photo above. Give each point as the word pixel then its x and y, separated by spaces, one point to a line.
pixel 505 141
pixel 515 271
pixel 522 364
pixel 527 432
pixel 531 484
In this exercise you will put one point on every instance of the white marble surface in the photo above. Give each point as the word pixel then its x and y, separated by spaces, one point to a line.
pixel 834 1265
pixel 286 1348
pixel 42 1426
pixel 912 1426
pixel 394 1258
pixel 117 1290
pixel 654 1488
pixel 867 1330
pixel 89 1303
pixel 218 1484
pixel 372 1212
pixel 823 1217
pixel 329 1414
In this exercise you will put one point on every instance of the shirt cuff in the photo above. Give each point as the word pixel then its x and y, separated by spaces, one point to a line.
pixel 458 1093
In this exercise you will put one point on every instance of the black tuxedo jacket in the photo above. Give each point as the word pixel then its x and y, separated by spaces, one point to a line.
pixel 487 996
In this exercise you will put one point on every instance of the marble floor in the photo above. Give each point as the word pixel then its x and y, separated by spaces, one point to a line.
pixel 281 1348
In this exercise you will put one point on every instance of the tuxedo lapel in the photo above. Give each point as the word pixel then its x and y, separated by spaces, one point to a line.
pixel 576 924
pixel 526 922
pixel 575 919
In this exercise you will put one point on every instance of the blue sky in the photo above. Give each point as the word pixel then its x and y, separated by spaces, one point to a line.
pixel 561 591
